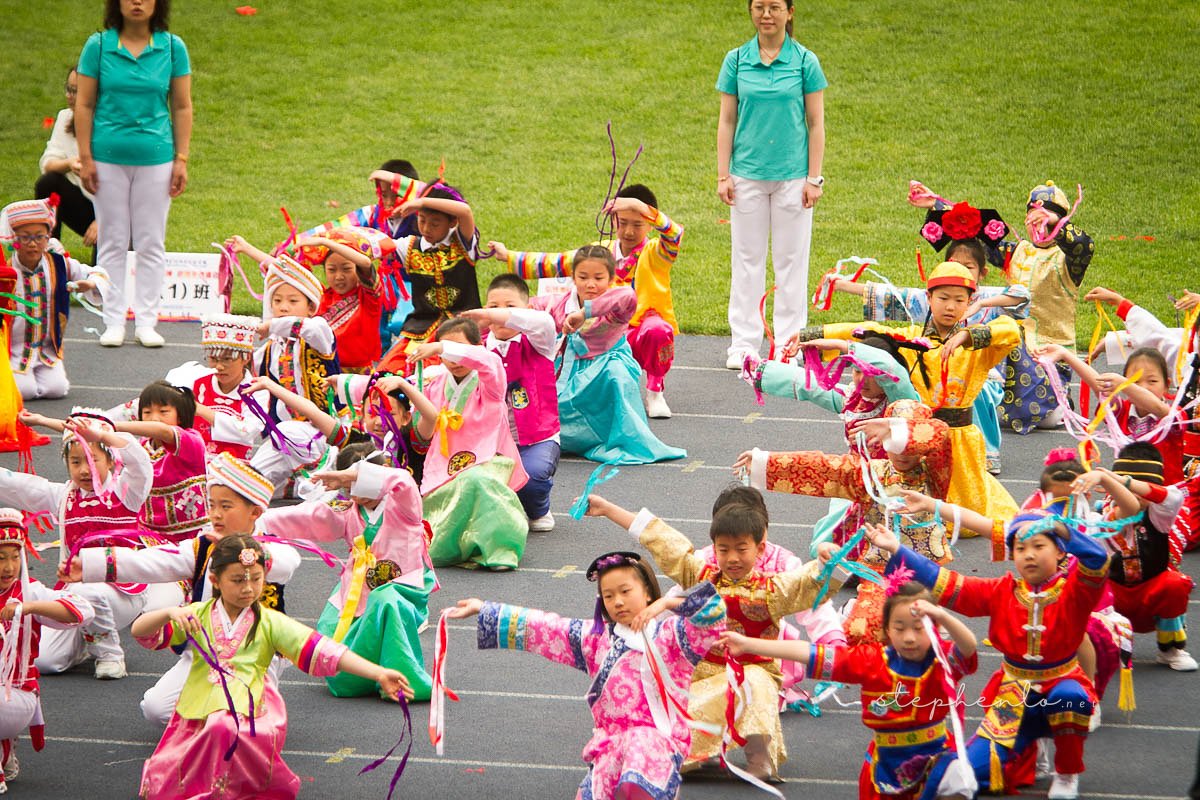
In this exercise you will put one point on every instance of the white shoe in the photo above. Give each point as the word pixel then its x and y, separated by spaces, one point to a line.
pixel 735 359
pixel 543 524
pixel 12 767
pixel 110 670
pixel 1045 767
pixel 1063 787
pixel 148 337
pixel 1094 722
pixel 113 336
pixel 1176 659
pixel 656 406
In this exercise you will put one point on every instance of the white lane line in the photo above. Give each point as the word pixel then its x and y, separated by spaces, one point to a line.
pixel 96 342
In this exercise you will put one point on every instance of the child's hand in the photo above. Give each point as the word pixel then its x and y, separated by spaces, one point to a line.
pixel 953 343
pixel 882 538
pixel 263 329
pixel 1053 352
pixel 424 352
pixel 1086 483
pixel 627 204
pixel 465 608
pixel 237 244
pixel 876 430
pixel 825 551
pixel 1103 295
pixel 920 196
pixel 1108 382
pixel 574 321
pixel 30 419
pixel 924 608
pixel 974 308
pixel 9 611
pixel 182 616
pixel 653 610
pixel 409 208
pixel 741 465
pixel 915 502
pixel 597 506
pixel 1189 301
pixel 83 430
pixel 392 684
pixel 261 383
pixel 499 251
pixel 337 479
pixel 81 287
pixel 395 383
pixel 734 642
pixel 71 572
pixel 481 316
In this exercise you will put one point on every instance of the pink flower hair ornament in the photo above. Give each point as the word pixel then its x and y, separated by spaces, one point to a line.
pixel 897 579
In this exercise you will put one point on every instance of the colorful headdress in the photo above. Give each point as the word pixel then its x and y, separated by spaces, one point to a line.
pixel 12 527
pixel 240 477
pixel 375 245
pixel 286 270
pixel 228 334
pixel 93 416
pixel 30 212
pixel 1049 197
pixel 962 221
pixel 1045 521
pixel 1140 469
pixel 619 558
pixel 1059 455
pixel 949 273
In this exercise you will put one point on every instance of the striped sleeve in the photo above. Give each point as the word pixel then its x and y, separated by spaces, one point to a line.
pixel 531 265
pixel 670 234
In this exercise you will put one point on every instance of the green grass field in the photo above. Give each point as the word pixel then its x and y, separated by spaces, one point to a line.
pixel 980 100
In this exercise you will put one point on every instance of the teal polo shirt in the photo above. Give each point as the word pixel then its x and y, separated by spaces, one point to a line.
pixel 132 124
pixel 770 142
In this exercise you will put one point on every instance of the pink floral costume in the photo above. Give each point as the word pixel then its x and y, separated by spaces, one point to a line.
pixel 628 749
pixel 189 760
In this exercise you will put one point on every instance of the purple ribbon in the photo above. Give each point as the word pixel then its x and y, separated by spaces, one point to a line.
pixel 404 734
pixel 278 438
pixel 210 658
pixel 330 560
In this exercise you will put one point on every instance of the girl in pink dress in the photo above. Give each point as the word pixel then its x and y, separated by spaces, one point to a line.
pixel 238 638
pixel 638 740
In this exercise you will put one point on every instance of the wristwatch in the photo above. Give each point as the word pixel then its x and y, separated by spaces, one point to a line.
pixel 818 181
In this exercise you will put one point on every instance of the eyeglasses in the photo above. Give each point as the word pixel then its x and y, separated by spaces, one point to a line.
pixel 763 11
pixel 33 238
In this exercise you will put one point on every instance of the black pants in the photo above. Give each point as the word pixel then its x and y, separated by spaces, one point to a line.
pixel 73 207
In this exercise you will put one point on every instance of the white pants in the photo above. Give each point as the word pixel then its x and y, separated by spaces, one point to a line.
pixel 132 205
pixel 43 382
pixel 762 210
pixel 17 712
pixel 159 701
pixel 62 649
pixel 278 467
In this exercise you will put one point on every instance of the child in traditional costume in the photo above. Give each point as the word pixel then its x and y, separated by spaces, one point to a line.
pixel 222 418
pixel 599 407
pixel 644 264
pixel 755 602
pixel 472 467
pixel 110 480
pixel 211 745
pixel 639 739
pixel 1039 616
pixel 439 264
pixel 909 694
pixel 879 376
pixel 383 598
pixel 237 497
pixel 46 278
pixel 352 301
pixel 917 458
pixel 526 341
pixel 950 375
pixel 299 354
pixel 1050 262
pixel 25 606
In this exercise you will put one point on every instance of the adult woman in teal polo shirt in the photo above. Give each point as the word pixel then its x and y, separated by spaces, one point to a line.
pixel 770 145
pixel 133 120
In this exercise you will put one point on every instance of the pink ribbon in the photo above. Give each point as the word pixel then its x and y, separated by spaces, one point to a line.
pixel 1038 239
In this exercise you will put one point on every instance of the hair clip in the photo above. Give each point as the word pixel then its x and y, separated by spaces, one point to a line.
pixel 248 556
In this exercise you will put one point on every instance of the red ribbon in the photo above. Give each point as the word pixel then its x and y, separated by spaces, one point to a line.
pixel 762 314
pixel 437 703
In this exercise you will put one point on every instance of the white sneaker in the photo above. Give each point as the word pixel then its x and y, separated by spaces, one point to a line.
pixel 1063 787
pixel 1176 659
pixel 113 336
pixel 110 670
pixel 1094 722
pixel 1045 767
pixel 543 524
pixel 148 337
pixel 735 359
pixel 656 406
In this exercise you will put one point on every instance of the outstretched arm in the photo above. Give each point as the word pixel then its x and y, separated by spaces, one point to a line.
pixel 739 644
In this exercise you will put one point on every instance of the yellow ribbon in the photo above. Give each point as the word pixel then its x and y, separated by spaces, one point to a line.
pixel 1189 322
pixel 1103 318
pixel 447 420
pixel 1102 412
pixel 364 559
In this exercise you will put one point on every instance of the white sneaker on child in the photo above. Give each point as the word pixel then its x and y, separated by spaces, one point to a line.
pixel 1063 787
pixel 110 669
pixel 656 406
pixel 1176 659
pixel 543 524
pixel 113 336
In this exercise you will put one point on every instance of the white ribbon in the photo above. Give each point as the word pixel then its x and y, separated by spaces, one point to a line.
pixel 960 742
